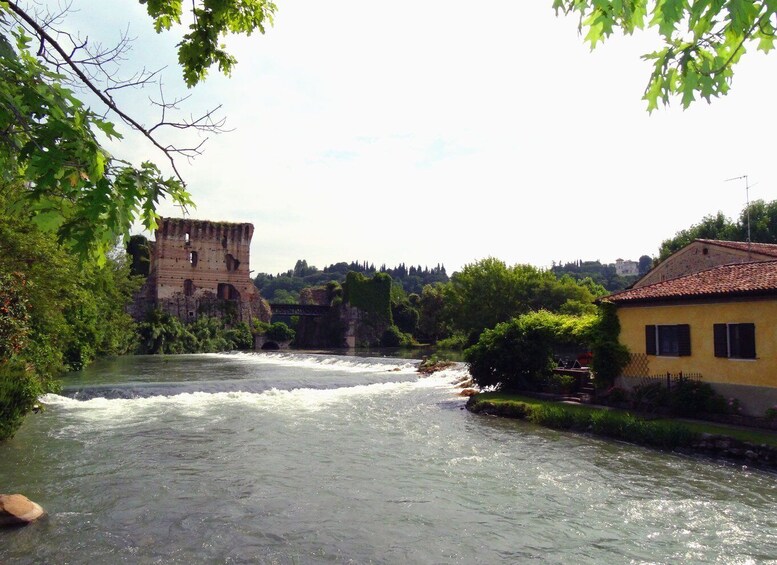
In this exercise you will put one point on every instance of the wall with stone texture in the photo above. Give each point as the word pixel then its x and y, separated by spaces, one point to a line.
pixel 695 257
pixel 198 267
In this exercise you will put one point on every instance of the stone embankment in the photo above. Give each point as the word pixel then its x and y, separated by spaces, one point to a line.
pixel 731 449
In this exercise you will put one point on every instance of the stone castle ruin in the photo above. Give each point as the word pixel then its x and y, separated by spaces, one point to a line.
pixel 200 268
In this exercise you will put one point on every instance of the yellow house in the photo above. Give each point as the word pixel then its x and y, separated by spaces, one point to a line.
pixel 719 324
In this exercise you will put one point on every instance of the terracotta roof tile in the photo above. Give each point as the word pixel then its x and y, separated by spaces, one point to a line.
pixel 769 249
pixel 739 279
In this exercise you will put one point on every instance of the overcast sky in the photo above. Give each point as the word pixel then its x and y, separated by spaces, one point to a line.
pixel 436 131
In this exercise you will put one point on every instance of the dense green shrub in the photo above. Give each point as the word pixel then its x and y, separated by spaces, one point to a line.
pixel 609 355
pixel 489 292
pixel 166 334
pixel 279 331
pixel 615 396
pixel 690 397
pixel 372 296
pixel 559 384
pixel 649 397
pixel 631 428
pixel 239 337
pixel 518 355
pixel 405 317
pixel 394 337
pixel 456 342
pixel 19 390
pixel 685 397
pixel 14 314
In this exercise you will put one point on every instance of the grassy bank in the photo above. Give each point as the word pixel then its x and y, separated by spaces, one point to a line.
pixel 664 433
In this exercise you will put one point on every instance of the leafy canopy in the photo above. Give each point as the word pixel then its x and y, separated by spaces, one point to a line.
pixel 49 143
pixel 702 39
pixel 760 215
pixel 211 19
pixel 488 292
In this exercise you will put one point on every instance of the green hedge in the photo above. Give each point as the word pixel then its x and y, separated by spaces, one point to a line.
pixel 608 423
pixel 369 295
pixel 518 354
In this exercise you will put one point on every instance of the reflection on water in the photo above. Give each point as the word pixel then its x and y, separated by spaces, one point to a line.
pixel 316 458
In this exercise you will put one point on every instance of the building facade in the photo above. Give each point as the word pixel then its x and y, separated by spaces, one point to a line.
pixel 719 325
pixel 200 267
pixel 625 268
pixel 703 254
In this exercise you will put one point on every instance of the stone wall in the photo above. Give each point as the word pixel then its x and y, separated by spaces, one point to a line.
pixel 695 257
pixel 199 267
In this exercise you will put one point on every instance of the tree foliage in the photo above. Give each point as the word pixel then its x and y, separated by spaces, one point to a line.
pixel 277 331
pixel 488 292
pixel 161 333
pixel 74 187
pixel 411 280
pixel 715 226
pixel 56 313
pixel 49 141
pixel 760 215
pixel 518 354
pixel 201 47
pixel 702 40
pixel 609 355
pixel 600 278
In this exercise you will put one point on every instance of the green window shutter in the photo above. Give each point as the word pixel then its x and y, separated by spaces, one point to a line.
pixel 747 341
pixel 720 340
pixel 683 340
pixel 650 340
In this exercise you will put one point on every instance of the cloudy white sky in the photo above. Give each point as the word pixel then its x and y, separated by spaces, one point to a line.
pixel 445 132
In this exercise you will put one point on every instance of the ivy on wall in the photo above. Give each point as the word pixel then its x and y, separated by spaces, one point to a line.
pixel 372 296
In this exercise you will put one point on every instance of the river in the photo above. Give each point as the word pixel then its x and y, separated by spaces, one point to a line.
pixel 316 458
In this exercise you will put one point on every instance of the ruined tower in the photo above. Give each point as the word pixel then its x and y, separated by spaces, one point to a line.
pixel 199 267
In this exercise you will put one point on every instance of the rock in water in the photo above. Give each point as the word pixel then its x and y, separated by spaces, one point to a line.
pixel 17 510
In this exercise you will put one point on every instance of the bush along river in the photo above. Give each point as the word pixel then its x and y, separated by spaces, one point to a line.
pixel 302 458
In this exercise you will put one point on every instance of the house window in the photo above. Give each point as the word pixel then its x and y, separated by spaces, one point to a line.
pixel 188 287
pixel 668 340
pixel 193 258
pixel 735 341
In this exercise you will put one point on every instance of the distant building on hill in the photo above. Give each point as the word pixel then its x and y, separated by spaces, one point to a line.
pixel 624 268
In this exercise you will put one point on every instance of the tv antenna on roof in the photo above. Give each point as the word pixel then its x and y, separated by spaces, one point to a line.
pixel 747 208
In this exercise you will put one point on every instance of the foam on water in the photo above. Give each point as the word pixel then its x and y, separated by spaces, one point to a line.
pixel 323 362
pixel 113 410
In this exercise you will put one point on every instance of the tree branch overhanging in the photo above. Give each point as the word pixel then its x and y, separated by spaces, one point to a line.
pixel 53 52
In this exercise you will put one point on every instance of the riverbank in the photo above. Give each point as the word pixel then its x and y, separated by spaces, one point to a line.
pixel 754 448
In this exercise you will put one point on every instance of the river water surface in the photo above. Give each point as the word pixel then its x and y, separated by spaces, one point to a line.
pixel 301 458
